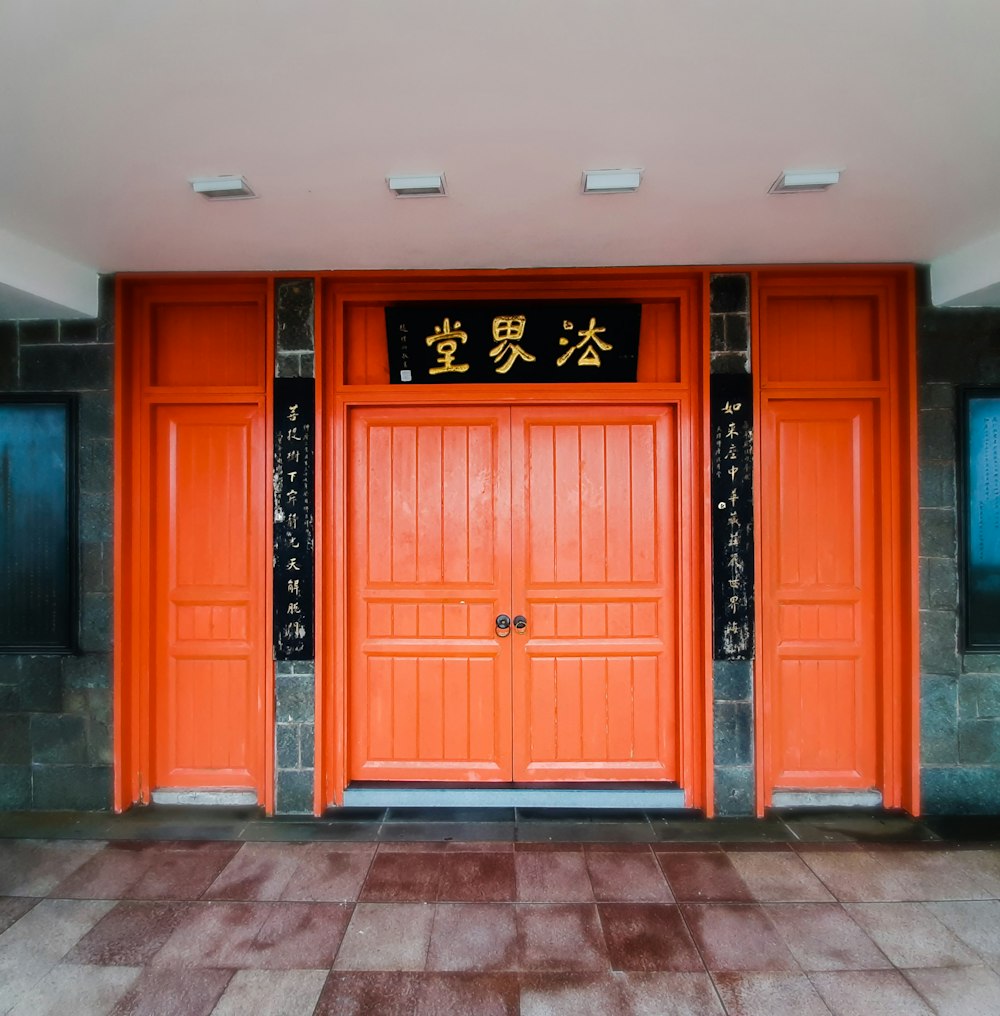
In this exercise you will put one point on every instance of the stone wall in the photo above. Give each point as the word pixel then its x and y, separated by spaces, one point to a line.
pixel 960 692
pixel 55 711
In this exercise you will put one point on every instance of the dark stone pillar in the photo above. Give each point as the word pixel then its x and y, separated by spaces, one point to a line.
pixel 729 323
pixel 294 682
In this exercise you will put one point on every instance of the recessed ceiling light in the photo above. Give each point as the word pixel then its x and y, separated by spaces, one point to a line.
pixel 428 186
pixel 222 188
pixel 611 181
pixel 804 181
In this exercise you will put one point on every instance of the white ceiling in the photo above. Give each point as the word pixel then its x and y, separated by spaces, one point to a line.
pixel 109 107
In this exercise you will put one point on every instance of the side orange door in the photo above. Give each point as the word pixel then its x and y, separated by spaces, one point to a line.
pixel 831 594
pixel 594 521
pixel 429 571
pixel 208 598
pixel 821 604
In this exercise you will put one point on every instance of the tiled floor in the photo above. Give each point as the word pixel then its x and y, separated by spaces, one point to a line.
pixel 876 917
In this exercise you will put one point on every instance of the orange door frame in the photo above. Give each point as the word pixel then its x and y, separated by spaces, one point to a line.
pixel 354 372
pixel 135 398
pixel 892 391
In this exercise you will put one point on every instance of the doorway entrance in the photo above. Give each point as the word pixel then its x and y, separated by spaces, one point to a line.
pixel 192 567
pixel 513 590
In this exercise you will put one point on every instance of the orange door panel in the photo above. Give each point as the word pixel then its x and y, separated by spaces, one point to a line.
pixel 595 670
pixel 819 592
pixel 429 571
pixel 208 596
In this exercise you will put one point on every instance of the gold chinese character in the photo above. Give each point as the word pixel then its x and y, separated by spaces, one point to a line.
pixel 734 471
pixel 293 412
pixel 293 587
pixel 445 340
pixel 508 330
pixel 731 452
pixel 292 455
pixel 293 564
pixel 732 407
pixel 293 608
pixel 731 432
pixel 589 357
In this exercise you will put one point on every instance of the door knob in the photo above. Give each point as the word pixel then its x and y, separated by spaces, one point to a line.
pixel 503 625
pixel 520 622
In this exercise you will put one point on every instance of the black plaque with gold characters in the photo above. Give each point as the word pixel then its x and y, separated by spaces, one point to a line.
pixel 517 342
pixel 294 543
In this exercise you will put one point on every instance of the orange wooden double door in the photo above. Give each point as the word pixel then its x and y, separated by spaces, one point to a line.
pixel 561 518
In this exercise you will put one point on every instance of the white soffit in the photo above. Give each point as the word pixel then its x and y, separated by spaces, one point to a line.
pixel 36 282
pixel 968 277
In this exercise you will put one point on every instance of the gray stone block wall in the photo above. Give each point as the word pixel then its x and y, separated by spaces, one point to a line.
pixel 732 680
pixel 55 711
pixel 294 683
pixel 960 692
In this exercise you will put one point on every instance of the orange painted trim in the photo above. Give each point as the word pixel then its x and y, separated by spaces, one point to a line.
pixel 121 762
pixel 910 496
pixel 267 706
pixel 705 530
pixel 319 538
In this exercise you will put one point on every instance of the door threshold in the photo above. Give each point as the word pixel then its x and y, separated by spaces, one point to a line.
pixel 616 796
pixel 207 798
pixel 826 799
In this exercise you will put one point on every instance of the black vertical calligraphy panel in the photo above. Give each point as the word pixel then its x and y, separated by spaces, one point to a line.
pixel 731 415
pixel 294 530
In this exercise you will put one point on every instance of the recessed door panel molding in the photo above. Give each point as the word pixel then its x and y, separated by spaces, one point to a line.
pixel 837 669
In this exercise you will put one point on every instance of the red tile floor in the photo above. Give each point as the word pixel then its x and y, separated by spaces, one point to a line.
pixel 438 926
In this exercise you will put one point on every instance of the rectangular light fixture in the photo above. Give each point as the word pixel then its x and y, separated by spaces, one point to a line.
pixel 222 188
pixel 428 186
pixel 611 181
pixel 803 181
